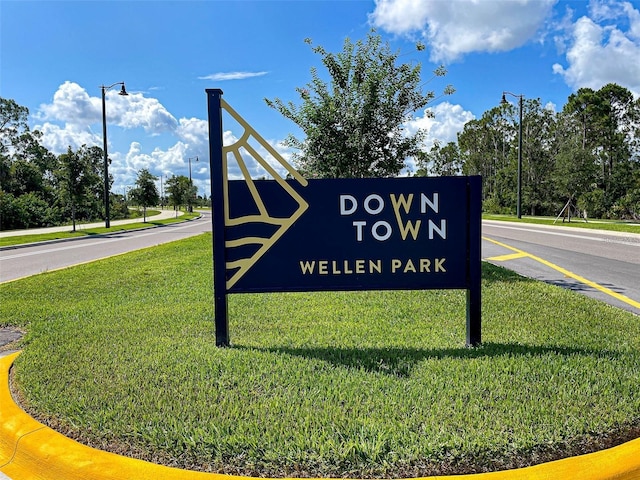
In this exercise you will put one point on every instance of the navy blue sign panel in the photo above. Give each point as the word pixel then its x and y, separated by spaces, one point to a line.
pixel 294 234
pixel 351 234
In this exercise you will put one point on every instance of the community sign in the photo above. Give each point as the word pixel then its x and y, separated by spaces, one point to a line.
pixel 289 233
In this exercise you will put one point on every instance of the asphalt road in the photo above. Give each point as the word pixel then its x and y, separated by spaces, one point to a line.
pixel 603 265
pixel 37 258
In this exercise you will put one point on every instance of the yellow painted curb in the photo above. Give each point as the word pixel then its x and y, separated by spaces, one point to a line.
pixel 31 450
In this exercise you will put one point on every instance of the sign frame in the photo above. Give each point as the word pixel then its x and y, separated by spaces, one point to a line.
pixel 220 212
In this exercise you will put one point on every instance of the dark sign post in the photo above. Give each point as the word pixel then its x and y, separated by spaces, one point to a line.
pixel 474 267
pixel 217 208
pixel 340 234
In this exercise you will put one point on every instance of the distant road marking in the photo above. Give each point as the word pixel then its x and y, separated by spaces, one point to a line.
pixel 521 254
pixel 624 238
pixel 118 238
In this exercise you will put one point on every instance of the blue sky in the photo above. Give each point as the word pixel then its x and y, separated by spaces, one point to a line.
pixel 55 55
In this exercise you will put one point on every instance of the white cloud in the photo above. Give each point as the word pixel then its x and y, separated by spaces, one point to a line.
pixel 222 76
pixel 442 124
pixel 457 27
pixel 601 54
pixel 137 160
pixel 634 21
pixel 228 138
pixel 135 110
pixel 602 10
pixel 74 118
pixel 58 139
pixel 401 16
pixel 195 132
pixel 158 162
pixel 74 106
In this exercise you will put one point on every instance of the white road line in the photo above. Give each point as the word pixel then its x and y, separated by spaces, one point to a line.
pixel 623 241
pixel 155 231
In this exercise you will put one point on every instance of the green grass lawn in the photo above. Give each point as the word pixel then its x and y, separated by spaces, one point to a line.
pixel 43 237
pixel 121 355
pixel 596 224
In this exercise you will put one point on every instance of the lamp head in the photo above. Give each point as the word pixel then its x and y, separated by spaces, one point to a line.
pixel 123 91
pixel 502 102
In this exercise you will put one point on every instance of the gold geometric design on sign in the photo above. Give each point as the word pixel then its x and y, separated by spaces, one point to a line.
pixel 257 245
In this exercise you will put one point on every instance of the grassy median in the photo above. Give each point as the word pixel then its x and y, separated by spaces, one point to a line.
pixel 83 232
pixel 121 355
pixel 627 226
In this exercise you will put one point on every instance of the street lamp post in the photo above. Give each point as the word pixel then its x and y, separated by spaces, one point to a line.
pixel 123 91
pixel 196 159
pixel 190 180
pixel 504 101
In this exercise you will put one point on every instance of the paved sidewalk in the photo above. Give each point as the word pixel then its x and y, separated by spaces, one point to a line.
pixel 9 335
pixel 86 226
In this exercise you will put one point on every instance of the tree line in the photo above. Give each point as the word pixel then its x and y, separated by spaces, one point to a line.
pixel 587 155
pixel 354 122
pixel 354 119
pixel 40 189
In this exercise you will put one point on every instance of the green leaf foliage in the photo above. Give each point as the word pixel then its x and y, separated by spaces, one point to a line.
pixel 589 154
pixel 354 121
